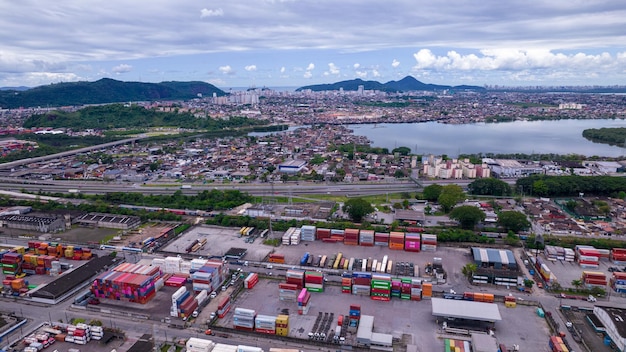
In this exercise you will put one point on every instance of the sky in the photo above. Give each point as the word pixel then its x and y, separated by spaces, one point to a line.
pixel 292 43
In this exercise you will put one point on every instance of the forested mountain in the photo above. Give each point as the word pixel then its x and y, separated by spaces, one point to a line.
pixel 407 84
pixel 121 116
pixel 103 91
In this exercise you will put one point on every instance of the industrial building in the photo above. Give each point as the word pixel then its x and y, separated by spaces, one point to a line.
pixel 38 223
pixel 366 336
pixel 495 266
pixel 112 221
pixel 452 309
pixel 291 166
pixel 614 321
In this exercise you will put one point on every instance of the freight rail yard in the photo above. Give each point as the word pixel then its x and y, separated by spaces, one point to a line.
pixel 323 286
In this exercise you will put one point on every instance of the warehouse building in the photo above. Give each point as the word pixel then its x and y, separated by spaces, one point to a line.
pixel 465 311
pixel 495 266
pixel 37 223
pixel 112 221
pixel 365 335
pixel 291 166
pixel 614 321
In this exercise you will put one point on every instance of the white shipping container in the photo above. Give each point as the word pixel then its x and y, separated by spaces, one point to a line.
pixel 244 348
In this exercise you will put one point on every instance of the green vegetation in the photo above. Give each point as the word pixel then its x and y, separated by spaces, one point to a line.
pixel 460 235
pixel 490 187
pixel 274 242
pixel 103 91
pixel 112 116
pixel 477 158
pixel 360 148
pixel 513 221
pixel 571 242
pixel 51 144
pixel 612 136
pixel 205 200
pixel 571 186
pixel 450 196
pixel 432 192
pixel 402 150
pixel 468 216
pixel 469 270
pixel 357 208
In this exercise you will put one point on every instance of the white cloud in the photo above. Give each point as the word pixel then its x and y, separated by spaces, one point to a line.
pixel 375 73
pixel 121 68
pixel 307 74
pixel 282 69
pixel 356 66
pixel 217 81
pixel 227 70
pixel 333 69
pixel 250 68
pixel 211 13
pixel 395 63
pixel 311 67
pixel 515 59
pixel 361 74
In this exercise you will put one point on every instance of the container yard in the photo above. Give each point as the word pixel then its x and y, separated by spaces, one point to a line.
pixel 390 316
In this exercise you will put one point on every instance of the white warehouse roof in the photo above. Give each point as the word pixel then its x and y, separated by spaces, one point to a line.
pixel 451 308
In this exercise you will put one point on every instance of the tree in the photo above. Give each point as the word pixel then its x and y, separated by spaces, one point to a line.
pixel 401 150
pixel 489 186
pixel 431 193
pixel 577 283
pixel 467 215
pixel 513 221
pixel 528 283
pixel 450 196
pixel 468 270
pixel 357 208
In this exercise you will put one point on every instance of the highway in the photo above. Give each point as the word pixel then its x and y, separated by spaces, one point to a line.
pixel 255 189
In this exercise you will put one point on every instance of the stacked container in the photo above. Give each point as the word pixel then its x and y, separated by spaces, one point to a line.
pixel 172 265
pixel 427 290
pixel 557 345
pixel 127 286
pixel 381 287
pixel 429 242
pixel 178 297
pixel 412 242
pixel 11 263
pixel 251 280
pixel 346 283
pixel 202 297
pixel 286 239
pixel 354 317
pixel 351 237
pixel 361 283
pixel 314 281
pixel 307 233
pixel 618 282
pixel 175 281
pixel 294 238
pixel 322 234
pixel 194 344
pixel 510 301
pixel 570 255
pixel 618 256
pixel 366 238
pixel 244 319
pixel 202 280
pixel 265 324
pixel 381 239
pixel 337 235
pixel 396 287
pixel 288 292
pixel 594 278
pixel 196 264
pixel 304 302
pixel 416 289
pixel 405 291
pixel 277 258
pixel 396 240
pixel 295 277
pixel 223 307
pixel 282 325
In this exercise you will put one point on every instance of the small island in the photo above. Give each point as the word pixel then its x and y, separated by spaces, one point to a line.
pixel 611 136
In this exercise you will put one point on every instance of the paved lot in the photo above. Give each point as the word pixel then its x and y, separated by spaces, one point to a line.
pixel 566 272
pixel 219 241
pixel 396 317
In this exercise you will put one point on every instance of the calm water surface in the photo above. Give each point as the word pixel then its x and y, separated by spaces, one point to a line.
pixel 559 137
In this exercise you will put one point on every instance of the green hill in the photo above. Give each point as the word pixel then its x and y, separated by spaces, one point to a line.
pixel 134 117
pixel 104 91
pixel 407 84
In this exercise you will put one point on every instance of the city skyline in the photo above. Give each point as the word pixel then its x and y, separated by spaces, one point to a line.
pixel 291 43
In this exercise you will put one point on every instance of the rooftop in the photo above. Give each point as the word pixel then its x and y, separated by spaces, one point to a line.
pixel 450 308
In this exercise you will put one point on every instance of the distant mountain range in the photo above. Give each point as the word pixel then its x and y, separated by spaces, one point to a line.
pixel 406 84
pixel 103 91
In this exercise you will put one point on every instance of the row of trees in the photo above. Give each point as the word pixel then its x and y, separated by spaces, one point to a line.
pixel 612 136
pixel 568 186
